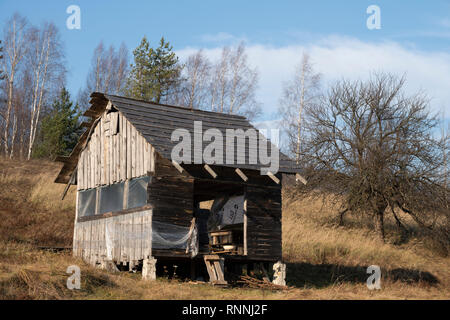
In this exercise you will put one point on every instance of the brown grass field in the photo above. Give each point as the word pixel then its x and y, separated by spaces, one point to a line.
pixel 324 260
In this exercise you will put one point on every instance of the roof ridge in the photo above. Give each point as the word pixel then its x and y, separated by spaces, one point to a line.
pixel 174 106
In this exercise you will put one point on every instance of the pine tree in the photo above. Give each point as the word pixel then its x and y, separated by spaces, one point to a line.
pixel 155 72
pixel 60 129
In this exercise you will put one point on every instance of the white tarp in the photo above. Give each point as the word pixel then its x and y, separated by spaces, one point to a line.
pixel 226 211
pixel 233 211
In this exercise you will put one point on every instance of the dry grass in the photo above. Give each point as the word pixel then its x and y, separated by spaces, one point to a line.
pixel 324 261
pixel 31 209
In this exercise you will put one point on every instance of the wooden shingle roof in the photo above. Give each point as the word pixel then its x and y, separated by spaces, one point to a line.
pixel 156 122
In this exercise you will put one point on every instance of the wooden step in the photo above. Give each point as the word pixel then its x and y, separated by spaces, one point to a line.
pixel 215 267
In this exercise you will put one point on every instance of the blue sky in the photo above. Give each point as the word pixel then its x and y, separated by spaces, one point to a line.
pixel 414 38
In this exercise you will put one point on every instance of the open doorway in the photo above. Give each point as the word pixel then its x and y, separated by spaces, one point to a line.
pixel 220 216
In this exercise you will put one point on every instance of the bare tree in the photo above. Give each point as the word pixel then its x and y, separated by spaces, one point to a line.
pixel 108 73
pixel 196 73
pixel 299 92
pixel 372 146
pixel 2 76
pixel 45 59
pixel 233 84
pixel 15 41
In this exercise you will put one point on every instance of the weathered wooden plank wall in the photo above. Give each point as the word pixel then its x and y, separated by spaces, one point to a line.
pixel 115 152
pixel 127 237
pixel 263 223
pixel 171 194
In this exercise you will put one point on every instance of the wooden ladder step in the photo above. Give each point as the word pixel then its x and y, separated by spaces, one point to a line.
pixel 215 267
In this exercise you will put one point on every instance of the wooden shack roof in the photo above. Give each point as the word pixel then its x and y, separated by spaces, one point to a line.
pixel 156 122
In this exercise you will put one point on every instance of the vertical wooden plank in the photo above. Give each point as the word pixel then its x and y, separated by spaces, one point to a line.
pixel 84 170
pixel 133 152
pixel 121 147
pixel 125 194
pixel 88 166
pixel 133 234
pixel 143 171
pixel 99 159
pixel 80 173
pixel 119 237
pixel 141 239
pixel 89 244
pixel 75 229
pixel 117 143
pixel 111 153
pixel 138 154
pixel 91 164
pixel 103 150
pixel 146 157
pixel 153 160
pixel 245 224
pixel 128 139
pixel 92 148
pixel 123 152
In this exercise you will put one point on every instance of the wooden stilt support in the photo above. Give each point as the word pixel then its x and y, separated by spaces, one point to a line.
pixel 149 269
pixel 215 266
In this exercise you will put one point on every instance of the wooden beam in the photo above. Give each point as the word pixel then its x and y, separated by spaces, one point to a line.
pixel 62 159
pixel 241 174
pixel 245 225
pixel 272 176
pixel 300 178
pixel 177 165
pixel 210 171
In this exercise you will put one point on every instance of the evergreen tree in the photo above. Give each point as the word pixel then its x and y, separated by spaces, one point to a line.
pixel 155 72
pixel 60 129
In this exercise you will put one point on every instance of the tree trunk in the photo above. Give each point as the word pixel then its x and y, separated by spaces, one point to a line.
pixel 379 223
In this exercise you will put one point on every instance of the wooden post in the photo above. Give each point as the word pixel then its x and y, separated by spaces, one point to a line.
pixel 245 224
pixel 193 274
pixel 149 269
pixel 279 273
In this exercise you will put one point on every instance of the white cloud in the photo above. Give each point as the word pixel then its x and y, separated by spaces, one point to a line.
pixel 221 37
pixel 341 57
pixel 444 23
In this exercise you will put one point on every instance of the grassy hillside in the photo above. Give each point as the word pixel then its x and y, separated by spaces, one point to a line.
pixel 324 261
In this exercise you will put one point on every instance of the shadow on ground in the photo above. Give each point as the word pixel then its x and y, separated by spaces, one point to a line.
pixel 324 275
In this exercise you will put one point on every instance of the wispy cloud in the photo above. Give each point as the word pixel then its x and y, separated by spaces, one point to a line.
pixel 221 38
pixel 340 57
pixel 444 23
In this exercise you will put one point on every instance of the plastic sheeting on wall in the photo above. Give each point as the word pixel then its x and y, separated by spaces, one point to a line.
pixel 111 198
pixel 170 236
pixel 86 202
pixel 137 192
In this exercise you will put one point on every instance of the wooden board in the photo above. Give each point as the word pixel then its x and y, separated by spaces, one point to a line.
pixel 110 158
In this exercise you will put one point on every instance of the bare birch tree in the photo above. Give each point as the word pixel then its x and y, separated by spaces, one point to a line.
pixel 46 62
pixel 233 84
pixel 15 42
pixel 196 73
pixel 302 90
pixel 108 73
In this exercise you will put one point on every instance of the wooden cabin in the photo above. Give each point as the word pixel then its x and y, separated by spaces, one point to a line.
pixel 135 203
